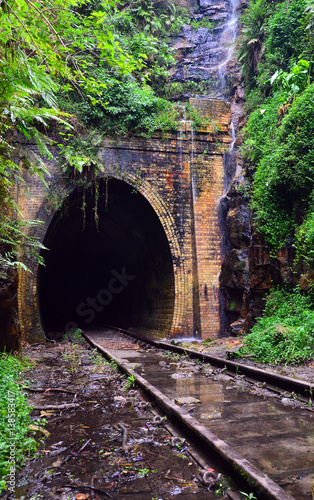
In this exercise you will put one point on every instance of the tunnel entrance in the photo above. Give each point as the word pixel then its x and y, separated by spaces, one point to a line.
pixel 117 271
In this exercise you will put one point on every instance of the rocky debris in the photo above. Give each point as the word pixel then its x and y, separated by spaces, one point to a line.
pixel 231 344
pixel 248 271
pixel 188 400
pixel 238 326
pixel 103 441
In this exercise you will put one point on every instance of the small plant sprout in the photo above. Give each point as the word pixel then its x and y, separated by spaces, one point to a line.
pixel 130 383
pixel 248 495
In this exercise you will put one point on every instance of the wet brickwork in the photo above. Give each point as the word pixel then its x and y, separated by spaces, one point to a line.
pixel 181 175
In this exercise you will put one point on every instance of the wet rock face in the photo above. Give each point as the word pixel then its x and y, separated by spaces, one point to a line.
pixel 9 338
pixel 205 4
pixel 200 54
pixel 238 226
pixel 205 54
pixel 249 270
pixel 235 269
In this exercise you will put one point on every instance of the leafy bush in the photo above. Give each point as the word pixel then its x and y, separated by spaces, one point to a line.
pixel 286 33
pixel 275 51
pixel 126 107
pixel 284 179
pixel 305 239
pixel 285 333
pixel 14 417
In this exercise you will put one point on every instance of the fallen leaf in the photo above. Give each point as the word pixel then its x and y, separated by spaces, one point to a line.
pixel 33 427
pixel 47 413
pixel 57 463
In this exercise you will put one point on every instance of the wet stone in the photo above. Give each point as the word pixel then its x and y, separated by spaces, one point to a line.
pixel 180 375
pixel 188 400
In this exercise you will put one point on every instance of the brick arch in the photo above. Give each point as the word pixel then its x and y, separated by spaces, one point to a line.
pixel 29 317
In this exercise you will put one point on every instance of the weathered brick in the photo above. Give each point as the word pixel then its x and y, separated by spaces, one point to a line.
pixel 182 177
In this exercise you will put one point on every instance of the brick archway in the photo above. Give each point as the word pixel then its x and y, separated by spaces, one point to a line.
pixel 181 176
pixel 29 315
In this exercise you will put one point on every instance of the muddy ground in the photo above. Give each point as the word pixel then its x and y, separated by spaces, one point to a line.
pixel 105 440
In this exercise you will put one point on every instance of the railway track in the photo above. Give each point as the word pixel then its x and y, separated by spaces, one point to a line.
pixel 257 426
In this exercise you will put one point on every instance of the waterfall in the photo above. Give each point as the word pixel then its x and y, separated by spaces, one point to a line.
pixel 192 164
pixel 228 36
pixel 181 128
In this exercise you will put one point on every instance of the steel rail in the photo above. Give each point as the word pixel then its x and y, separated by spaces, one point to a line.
pixel 240 468
pixel 299 387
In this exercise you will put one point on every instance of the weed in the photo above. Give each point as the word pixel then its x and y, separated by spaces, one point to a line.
pixel 167 354
pixel 248 495
pixel 73 359
pixel 96 358
pixel 75 335
pixel 14 416
pixel 130 383
pixel 114 365
pixel 285 332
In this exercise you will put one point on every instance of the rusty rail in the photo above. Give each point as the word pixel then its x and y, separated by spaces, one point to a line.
pixel 240 468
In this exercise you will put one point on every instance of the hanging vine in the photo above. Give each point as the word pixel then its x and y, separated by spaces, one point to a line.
pixel 80 166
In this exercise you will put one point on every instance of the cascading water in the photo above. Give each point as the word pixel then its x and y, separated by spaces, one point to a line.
pixel 180 132
pixel 205 57
pixel 205 54
pixel 228 37
pixel 192 163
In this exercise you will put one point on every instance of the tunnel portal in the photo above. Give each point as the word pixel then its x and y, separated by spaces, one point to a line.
pixel 109 265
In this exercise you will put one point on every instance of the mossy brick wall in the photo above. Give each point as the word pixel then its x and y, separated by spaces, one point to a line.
pixel 181 174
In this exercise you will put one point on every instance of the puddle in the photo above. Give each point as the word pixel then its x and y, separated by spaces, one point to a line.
pixel 271 432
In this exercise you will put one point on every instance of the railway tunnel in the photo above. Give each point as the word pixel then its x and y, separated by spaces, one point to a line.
pixel 108 263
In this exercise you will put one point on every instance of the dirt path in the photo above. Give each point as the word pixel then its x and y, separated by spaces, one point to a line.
pixel 104 441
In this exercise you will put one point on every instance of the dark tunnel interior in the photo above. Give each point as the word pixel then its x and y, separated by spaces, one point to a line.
pixel 118 272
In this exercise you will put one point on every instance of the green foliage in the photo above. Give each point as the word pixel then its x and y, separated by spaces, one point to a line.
pixel 14 417
pixel 273 38
pixel 97 359
pixel 198 120
pixel 175 90
pixel 276 53
pixel 292 83
pixel 205 22
pixel 248 495
pixel 128 107
pixel 285 333
pixel 278 146
pixel 283 152
pixel 304 239
pixel 21 81
pixel 48 49
pixel 251 40
pixel 73 358
pixel 130 383
pixel 74 335
pixel 157 18
pixel 286 33
pixel 79 152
